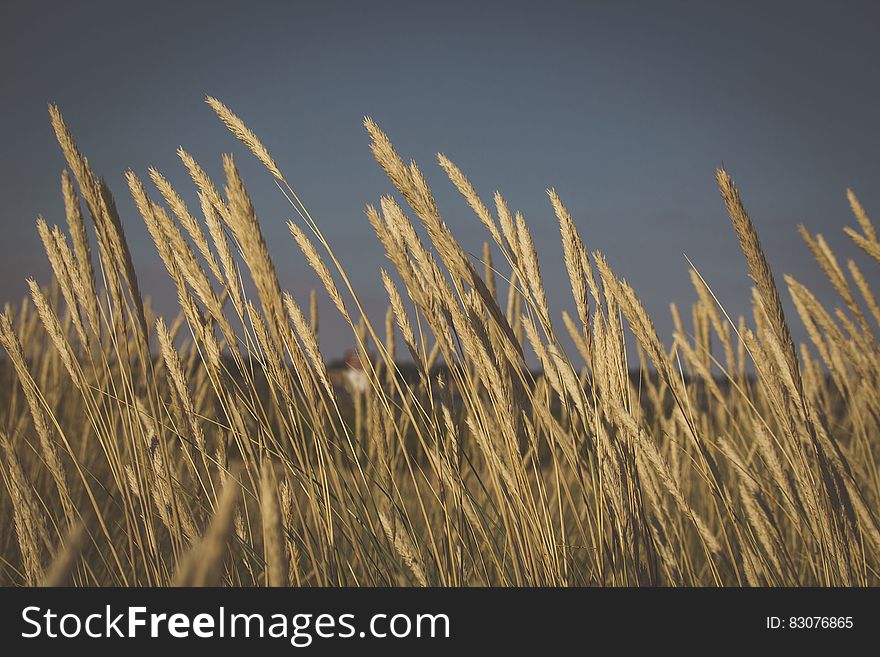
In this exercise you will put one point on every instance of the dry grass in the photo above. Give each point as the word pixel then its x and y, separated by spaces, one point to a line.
pixel 216 447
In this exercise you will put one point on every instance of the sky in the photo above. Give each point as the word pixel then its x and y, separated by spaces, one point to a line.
pixel 625 108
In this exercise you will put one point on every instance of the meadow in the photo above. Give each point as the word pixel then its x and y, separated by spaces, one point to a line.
pixel 216 447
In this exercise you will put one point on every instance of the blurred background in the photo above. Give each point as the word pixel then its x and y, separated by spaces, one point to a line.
pixel 626 108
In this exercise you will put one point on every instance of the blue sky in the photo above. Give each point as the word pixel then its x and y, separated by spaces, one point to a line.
pixel 625 108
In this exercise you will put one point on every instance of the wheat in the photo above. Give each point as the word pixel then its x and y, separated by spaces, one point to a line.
pixel 273 529
pixel 238 454
pixel 245 135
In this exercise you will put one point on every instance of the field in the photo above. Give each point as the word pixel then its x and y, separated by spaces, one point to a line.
pixel 218 448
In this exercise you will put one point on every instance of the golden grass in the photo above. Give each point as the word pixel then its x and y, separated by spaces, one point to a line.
pixel 216 447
